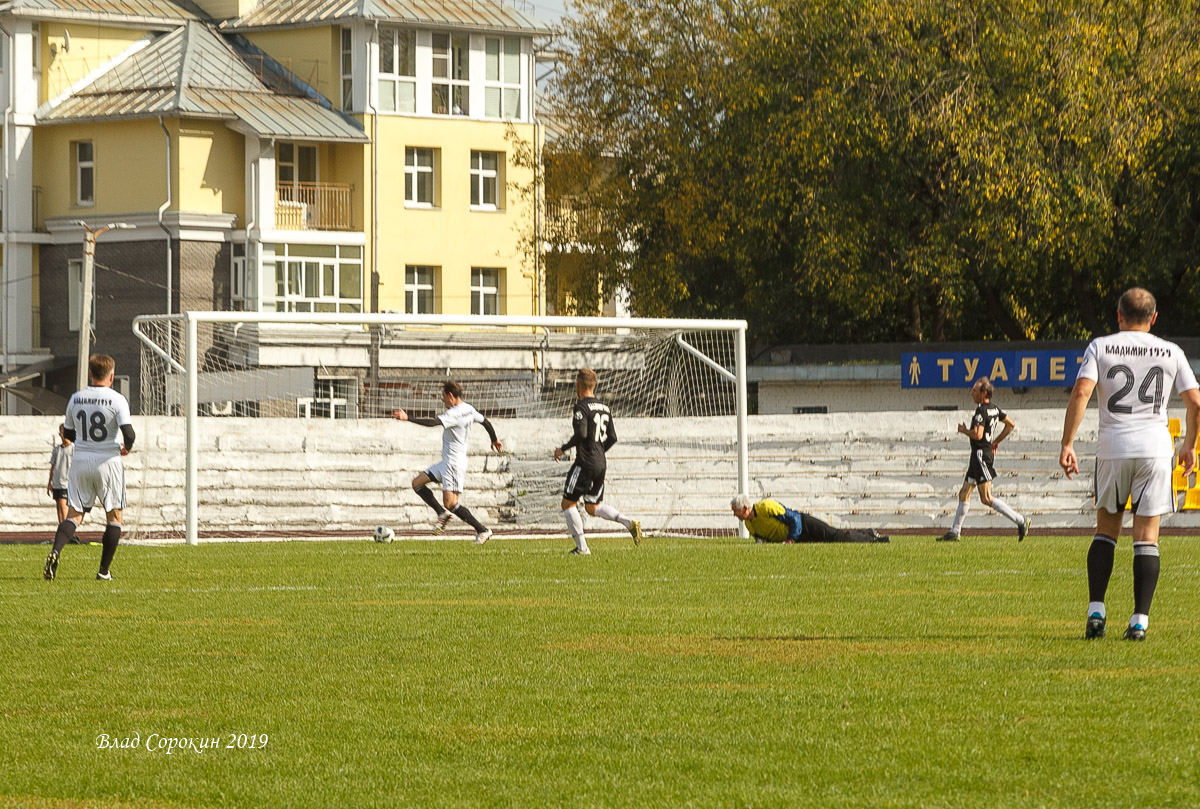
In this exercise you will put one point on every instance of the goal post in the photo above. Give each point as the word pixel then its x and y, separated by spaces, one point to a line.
pixel 649 367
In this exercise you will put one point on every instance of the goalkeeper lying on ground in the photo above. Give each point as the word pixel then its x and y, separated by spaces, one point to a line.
pixel 771 521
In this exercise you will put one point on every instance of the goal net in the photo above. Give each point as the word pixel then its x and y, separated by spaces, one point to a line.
pixel 279 425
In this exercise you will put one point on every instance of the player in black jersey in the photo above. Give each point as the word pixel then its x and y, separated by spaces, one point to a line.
pixel 594 434
pixel 980 471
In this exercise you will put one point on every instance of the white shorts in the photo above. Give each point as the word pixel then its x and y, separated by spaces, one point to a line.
pixel 1145 481
pixel 451 474
pixel 96 477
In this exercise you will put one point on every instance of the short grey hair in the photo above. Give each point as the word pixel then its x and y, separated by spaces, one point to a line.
pixel 741 501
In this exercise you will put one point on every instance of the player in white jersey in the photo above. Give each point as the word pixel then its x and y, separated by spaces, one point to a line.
pixel 1133 372
pixel 97 420
pixel 451 471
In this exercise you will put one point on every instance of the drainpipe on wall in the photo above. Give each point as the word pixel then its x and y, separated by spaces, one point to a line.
pixel 6 201
pixel 376 329
pixel 161 209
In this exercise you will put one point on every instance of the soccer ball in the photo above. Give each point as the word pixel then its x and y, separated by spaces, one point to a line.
pixel 384 534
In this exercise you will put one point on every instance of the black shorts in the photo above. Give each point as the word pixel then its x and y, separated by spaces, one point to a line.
pixel 584 484
pixel 980 468
pixel 59 494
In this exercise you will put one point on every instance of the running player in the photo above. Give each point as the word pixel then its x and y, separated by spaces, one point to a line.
pixel 97 420
pixel 981 469
pixel 451 471
pixel 1134 372
pixel 593 435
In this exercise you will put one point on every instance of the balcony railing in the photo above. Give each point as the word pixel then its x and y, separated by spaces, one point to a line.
pixel 314 206
pixel 569 220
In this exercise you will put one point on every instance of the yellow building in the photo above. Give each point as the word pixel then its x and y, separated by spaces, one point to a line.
pixel 278 157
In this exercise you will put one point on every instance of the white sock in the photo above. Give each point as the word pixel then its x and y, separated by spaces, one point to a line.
pixel 1006 510
pixel 575 527
pixel 606 512
pixel 1139 618
pixel 1096 607
pixel 960 516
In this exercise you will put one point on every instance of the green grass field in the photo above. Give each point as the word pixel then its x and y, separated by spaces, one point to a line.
pixel 702 673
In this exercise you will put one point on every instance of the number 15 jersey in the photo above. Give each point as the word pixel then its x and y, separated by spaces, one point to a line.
pixel 1134 372
pixel 96 414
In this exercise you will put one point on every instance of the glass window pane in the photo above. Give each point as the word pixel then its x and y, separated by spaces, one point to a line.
pixel 280 279
pixel 491 102
pixel 85 151
pixel 489 160
pixel 312 250
pixel 409 194
pixel 406 60
pixel 327 272
pixel 352 251
pixel 312 278
pixel 325 306
pixel 441 99
pixel 407 97
pixel 425 158
pixel 462 104
pixel 387 48
pixel 85 185
pixel 306 169
pixel 475 190
pixel 489 190
pixel 350 281
pixel 512 103
pixel 460 56
pixel 476 303
pixel 491 61
pixel 286 153
pixel 387 96
pixel 425 188
pixel 512 60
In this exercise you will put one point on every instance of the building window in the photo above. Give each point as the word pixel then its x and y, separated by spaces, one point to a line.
pixel 485 291
pixel 85 173
pixel 35 45
pixel 74 293
pixel 502 77
pixel 485 180
pixel 316 277
pixel 451 74
pixel 295 164
pixel 333 398
pixel 397 69
pixel 418 290
pixel 811 411
pixel 238 292
pixel 419 177
pixel 347 69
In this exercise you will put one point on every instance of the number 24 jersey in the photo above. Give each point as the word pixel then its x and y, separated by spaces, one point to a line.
pixel 1134 372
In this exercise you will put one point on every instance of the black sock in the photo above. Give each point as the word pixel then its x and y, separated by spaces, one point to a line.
pixel 1100 565
pixel 66 530
pixel 112 535
pixel 461 512
pixel 425 494
pixel 1145 575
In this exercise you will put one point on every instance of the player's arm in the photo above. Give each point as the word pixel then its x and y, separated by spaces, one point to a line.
pixel 1009 426
pixel 491 431
pixel 1187 453
pixel 399 414
pixel 1080 395
pixel 127 434
pixel 578 435
pixel 611 439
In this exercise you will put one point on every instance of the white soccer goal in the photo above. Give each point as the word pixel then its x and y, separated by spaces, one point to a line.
pixel 285 419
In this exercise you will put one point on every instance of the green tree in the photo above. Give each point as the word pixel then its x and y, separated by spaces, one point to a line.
pixel 875 169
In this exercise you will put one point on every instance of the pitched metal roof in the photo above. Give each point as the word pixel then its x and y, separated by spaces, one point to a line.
pixel 490 15
pixel 113 12
pixel 193 72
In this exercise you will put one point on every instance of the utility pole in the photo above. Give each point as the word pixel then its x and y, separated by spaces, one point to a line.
pixel 86 294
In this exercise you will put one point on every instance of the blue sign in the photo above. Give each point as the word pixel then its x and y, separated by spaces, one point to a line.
pixel 1006 369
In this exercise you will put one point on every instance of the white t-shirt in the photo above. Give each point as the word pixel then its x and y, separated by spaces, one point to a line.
pixel 1134 372
pixel 96 414
pixel 457 422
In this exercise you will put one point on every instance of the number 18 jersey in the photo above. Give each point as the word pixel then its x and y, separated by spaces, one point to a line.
pixel 1134 372
pixel 96 414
